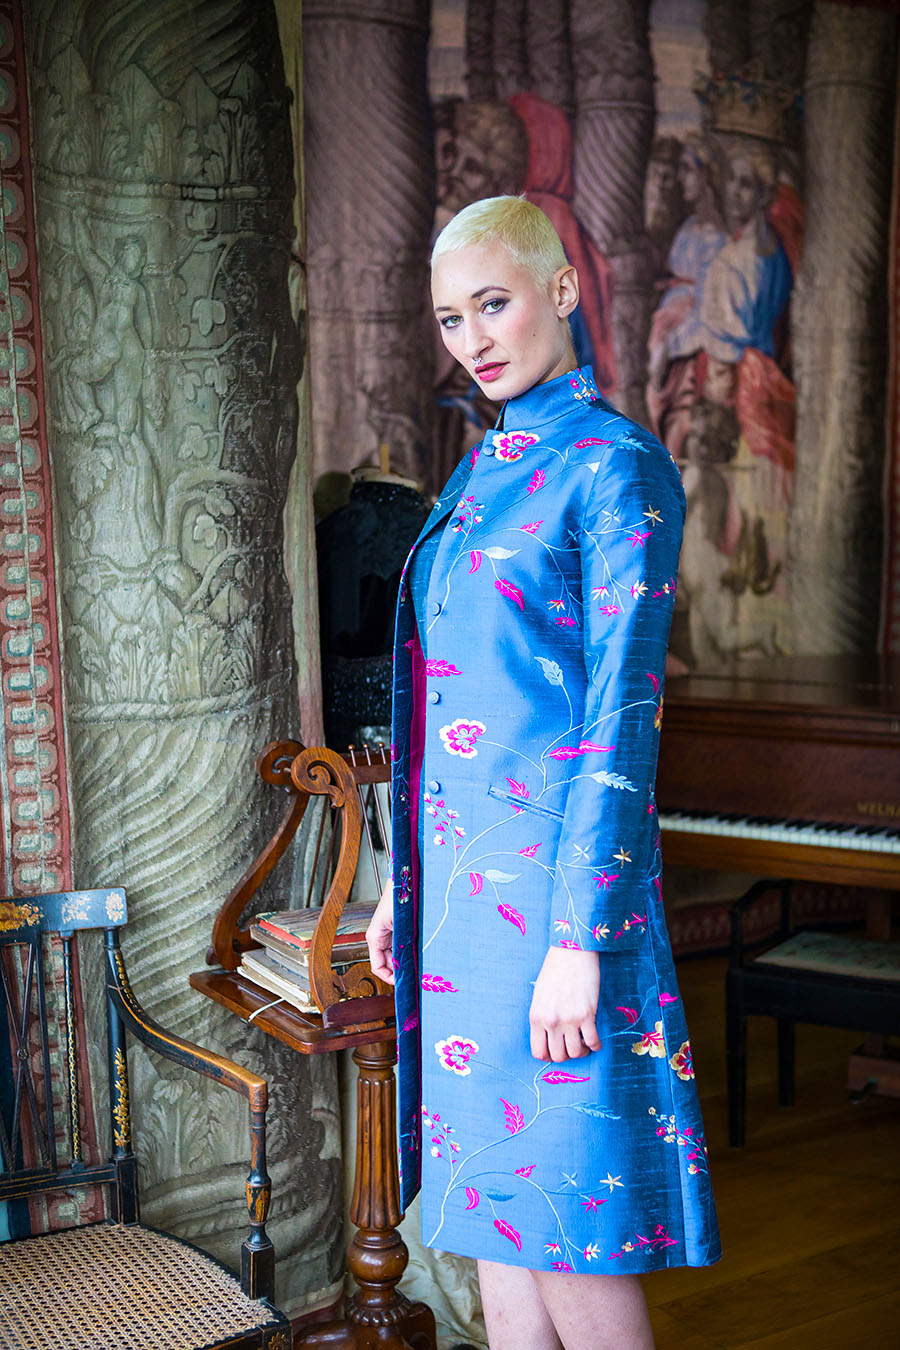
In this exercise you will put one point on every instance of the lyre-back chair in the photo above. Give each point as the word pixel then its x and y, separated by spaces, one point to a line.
pixel 353 808
pixel 113 1285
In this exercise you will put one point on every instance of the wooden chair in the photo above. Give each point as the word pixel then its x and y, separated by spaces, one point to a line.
pixel 115 1285
pixel 355 1011
pixel 826 978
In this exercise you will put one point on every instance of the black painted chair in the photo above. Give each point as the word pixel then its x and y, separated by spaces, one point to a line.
pixel 830 979
pixel 114 1285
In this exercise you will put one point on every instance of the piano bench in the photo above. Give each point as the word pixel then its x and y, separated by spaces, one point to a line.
pixel 826 978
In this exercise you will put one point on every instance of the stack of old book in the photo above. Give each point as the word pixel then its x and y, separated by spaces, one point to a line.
pixel 281 964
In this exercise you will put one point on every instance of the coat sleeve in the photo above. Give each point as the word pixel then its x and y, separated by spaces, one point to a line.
pixel 608 865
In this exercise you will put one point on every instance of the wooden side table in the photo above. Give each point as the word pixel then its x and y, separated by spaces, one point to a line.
pixel 357 1013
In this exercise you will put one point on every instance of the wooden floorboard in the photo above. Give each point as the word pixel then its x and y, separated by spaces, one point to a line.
pixel 809 1210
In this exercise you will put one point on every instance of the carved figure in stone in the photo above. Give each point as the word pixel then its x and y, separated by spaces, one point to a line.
pixel 112 362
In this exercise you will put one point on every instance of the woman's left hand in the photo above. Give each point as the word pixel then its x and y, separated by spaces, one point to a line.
pixel 563 1014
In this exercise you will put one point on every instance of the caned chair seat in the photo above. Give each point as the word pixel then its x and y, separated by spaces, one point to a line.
pixel 115 1287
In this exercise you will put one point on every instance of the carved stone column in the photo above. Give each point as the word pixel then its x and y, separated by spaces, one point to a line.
pixel 370 206
pixel 614 117
pixel 839 331
pixel 164 186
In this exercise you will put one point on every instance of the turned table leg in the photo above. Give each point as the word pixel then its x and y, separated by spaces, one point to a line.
pixel 378 1317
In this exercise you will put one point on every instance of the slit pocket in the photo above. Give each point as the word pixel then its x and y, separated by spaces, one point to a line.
pixel 524 803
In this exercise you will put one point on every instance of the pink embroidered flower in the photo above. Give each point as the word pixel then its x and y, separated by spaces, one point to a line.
pixel 682 1062
pixel 460 736
pixel 605 880
pixel 508 445
pixel 455 1053
pixel 652 1043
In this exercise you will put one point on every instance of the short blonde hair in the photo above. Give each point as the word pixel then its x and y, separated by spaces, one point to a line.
pixel 518 224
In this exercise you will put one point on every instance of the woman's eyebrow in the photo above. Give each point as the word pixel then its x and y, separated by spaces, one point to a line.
pixel 476 295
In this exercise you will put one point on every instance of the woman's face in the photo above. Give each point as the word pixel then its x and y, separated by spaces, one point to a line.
pixel 690 176
pixel 743 191
pixel 506 330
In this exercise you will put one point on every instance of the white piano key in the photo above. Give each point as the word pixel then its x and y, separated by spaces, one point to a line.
pixel 882 841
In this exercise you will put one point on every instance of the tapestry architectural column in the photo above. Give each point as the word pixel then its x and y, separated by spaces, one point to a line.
pixel 510 47
pixel 164 187
pixel 480 79
pixel 549 51
pixel 370 207
pixel 614 117
pixel 839 322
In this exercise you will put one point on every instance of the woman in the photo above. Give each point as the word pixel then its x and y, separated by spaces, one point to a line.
pixel 677 336
pixel 545 1072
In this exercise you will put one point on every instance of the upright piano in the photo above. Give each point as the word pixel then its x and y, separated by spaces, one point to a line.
pixel 785 768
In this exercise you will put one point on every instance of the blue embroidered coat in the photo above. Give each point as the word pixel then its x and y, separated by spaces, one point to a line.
pixel 530 646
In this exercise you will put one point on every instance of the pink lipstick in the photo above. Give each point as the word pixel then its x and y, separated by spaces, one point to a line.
pixel 490 372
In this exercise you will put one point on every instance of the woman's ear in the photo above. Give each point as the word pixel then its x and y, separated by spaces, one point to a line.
pixel 564 291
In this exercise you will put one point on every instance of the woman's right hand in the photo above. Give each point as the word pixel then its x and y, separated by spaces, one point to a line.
pixel 379 936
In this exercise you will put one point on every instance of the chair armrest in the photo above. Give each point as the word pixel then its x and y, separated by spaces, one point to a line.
pixel 180 1051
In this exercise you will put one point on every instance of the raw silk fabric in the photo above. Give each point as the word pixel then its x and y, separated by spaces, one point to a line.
pixel 531 641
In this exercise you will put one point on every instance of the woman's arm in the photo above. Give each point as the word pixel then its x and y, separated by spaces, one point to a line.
pixel 604 884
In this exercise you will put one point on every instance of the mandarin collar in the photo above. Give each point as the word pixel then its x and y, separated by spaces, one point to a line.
pixel 546 402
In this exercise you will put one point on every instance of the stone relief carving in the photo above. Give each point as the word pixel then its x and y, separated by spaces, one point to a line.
pixel 164 185
pixel 145 389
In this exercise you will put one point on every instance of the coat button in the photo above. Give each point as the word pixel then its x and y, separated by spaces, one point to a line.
pixel 436 606
pixel 434 786
pixel 487 450
pixel 433 696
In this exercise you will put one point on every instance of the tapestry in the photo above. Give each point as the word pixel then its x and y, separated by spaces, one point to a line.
pixel 890 633
pixel 679 147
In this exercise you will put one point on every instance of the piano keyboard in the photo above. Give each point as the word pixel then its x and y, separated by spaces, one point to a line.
pixel 861 838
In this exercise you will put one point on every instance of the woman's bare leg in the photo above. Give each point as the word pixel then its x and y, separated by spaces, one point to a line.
pixel 605 1312
pixel 514 1312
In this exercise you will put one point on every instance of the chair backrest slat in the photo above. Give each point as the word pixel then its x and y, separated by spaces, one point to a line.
pixel 37 959
pixel 22 968
pixel 71 1056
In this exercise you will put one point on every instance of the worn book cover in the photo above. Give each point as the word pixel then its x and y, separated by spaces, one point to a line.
pixel 294 964
pixel 260 970
pixel 295 926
